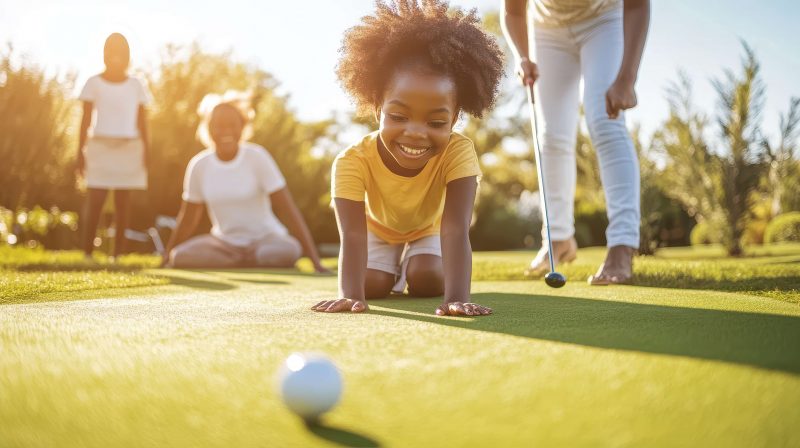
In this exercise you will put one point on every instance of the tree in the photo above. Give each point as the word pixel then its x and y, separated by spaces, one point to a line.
pixel 740 102
pixel 716 187
pixel 37 136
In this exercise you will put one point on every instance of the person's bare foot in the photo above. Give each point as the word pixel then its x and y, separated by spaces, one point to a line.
pixel 617 269
pixel 564 251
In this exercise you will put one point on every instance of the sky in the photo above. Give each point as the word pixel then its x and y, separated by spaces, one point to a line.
pixel 297 41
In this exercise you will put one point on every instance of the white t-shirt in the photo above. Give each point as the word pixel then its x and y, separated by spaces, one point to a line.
pixel 116 105
pixel 236 193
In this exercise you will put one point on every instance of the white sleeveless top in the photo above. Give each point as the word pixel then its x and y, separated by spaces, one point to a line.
pixel 116 105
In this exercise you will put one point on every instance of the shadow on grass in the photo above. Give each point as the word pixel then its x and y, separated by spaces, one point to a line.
pixel 199 278
pixel 789 261
pixel 270 271
pixel 196 283
pixel 77 267
pixel 260 281
pixel 782 276
pixel 341 436
pixel 766 341
pixel 754 285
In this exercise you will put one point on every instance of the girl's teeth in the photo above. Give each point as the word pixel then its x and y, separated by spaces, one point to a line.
pixel 412 151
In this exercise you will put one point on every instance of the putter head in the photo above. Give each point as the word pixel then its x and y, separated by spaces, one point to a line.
pixel 555 280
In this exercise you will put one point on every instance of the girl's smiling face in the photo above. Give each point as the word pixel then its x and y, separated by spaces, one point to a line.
pixel 417 116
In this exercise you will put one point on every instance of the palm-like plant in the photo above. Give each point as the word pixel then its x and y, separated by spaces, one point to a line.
pixel 741 99
pixel 783 180
pixel 716 186
pixel 691 173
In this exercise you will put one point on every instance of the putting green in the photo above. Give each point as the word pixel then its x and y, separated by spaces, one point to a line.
pixel 192 363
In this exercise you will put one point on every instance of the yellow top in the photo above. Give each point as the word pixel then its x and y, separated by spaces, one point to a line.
pixel 557 13
pixel 401 209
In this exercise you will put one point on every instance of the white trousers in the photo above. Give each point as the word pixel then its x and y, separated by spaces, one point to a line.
pixel 591 50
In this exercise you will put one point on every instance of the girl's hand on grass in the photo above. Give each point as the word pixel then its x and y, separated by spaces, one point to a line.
pixel 341 306
pixel 80 165
pixel 462 309
pixel 320 269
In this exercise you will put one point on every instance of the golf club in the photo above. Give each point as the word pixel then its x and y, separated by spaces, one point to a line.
pixel 553 278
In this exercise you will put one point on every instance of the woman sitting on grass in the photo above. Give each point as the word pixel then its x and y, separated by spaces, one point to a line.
pixel 404 194
pixel 241 185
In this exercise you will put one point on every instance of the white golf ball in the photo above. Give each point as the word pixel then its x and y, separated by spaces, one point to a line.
pixel 309 384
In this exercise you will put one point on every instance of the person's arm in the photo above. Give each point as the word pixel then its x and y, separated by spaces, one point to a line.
pixel 352 221
pixel 144 134
pixel 86 121
pixel 285 208
pixel 188 219
pixel 515 29
pixel 636 21
pixel 456 249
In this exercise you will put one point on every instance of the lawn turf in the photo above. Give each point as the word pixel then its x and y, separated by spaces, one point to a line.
pixel 709 356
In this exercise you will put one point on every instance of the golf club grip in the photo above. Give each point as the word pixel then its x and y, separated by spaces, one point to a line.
pixel 537 155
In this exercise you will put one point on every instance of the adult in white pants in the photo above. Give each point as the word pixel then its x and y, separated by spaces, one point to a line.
pixel 601 42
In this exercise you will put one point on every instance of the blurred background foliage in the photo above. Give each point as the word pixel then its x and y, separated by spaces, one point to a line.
pixel 704 180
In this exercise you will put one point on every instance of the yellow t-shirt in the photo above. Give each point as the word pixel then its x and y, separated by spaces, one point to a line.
pixel 401 209
pixel 558 13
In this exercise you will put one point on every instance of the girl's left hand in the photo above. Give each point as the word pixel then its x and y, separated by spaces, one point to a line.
pixel 320 269
pixel 620 96
pixel 146 158
pixel 462 309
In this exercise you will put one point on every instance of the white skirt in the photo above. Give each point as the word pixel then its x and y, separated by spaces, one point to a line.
pixel 116 163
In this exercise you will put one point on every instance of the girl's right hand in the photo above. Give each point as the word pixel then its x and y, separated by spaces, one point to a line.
pixel 527 71
pixel 341 305
pixel 462 309
pixel 80 165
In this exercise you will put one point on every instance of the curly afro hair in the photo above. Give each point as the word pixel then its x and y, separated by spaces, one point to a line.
pixel 424 34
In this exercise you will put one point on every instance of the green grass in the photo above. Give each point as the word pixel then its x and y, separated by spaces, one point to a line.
pixel 698 353
pixel 771 271
pixel 27 275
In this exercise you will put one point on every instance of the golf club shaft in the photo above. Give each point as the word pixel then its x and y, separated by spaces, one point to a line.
pixel 538 155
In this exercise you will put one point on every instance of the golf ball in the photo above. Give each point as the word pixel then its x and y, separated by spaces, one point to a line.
pixel 309 384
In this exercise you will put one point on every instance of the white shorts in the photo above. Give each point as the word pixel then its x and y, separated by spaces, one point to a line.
pixel 115 163
pixel 393 258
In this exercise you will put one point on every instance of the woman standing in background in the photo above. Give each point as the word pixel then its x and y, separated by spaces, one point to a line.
pixel 115 156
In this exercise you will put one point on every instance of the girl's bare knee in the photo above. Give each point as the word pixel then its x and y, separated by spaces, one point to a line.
pixel 378 284
pixel 425 276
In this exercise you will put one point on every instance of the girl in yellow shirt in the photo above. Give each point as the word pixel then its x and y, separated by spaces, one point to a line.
pixel 404 194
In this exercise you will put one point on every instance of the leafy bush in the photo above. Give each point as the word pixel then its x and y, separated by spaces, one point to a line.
pixel 703 233
pixel 37 135
pixel 782 228
pixel 53 228
pixel 591 222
